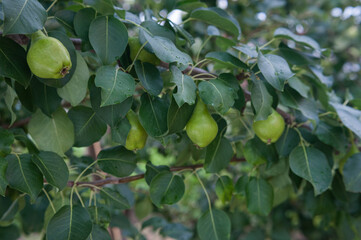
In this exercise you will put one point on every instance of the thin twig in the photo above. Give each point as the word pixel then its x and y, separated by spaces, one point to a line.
pixel 114 180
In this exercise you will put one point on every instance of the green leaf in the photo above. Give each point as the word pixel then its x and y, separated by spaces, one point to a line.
pixel 176 231
pixel 293 56
pixel 44 97
pixel 156 30
pixel 116 86
pixel 99 232
pixel 292 99
pixel 9 209
pixel 261 100
pixel 181 31
pixel 186 88
pixel 10 97
pixel 304 40
pixel 13 62
pixel 230 80
pixel 153 115
pixel 82 21
pixel 350 117
pixel 217 93
pixel 332 136
pixel 53 168
pixel 189 5
pixel 23 16
pixel 66 18
pixel 287 142
pixel 23 175
pixel 3 181
pixel 282 186
pixel 88 127
pixel 318 72
pixel 241 184
pixel 219 18
pixel 117 161
pixel 167 52
pixel 214 225
pixel 11 232
pixel 252 152
pixel 120 131
pixel 6 140
pixel 75 90
pixel 178 117
pixel 351 173
pixel 166 188
pixel 109 114
pixel 275 70
pixel 311 164
pixel 248 50
pixel 259 194
pixel 69 223
pixel 149 76
pixel 21 136
pixel 54 134
pixel 224 188
pixel 226 59
pixel 114 199
pixel 109 38
pixel 104 7
pixel 299 86
pixel 152 171
pixel 24 94
pixel 218 154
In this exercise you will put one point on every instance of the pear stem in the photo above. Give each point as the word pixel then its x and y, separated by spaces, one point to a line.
pixel 36 36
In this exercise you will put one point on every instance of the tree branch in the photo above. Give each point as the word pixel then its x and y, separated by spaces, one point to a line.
pixel 114 180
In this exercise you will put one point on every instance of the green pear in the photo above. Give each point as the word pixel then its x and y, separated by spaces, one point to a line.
pixel 47 57
pixel 137 136
pixel 144 55
pixel 201 127
pixel 271 129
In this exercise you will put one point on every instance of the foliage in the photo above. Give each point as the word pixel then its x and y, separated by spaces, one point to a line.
pixel 65 172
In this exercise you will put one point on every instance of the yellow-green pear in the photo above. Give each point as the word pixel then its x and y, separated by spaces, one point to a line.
pixel 137 136
pixel 47 57
pixel 201 127
pixel 271 129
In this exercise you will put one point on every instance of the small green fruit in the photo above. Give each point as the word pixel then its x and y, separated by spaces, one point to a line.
pixel 137 136
pixel 271 129
pixel 201 127
pixel 47 57
pixel 144 55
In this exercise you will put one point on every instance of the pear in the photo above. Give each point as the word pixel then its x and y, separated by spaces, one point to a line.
pixel 47 57
pixel 144 55
pixel 201 127
pixel 137 136
pixel 271 129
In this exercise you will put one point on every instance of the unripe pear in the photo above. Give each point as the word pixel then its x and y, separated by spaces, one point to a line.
pixel 137 136
pixel 201 127
pixel 271 129
pixel 47 57
pixel 144 55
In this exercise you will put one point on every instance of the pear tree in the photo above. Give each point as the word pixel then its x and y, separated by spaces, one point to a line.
pixel 181 119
